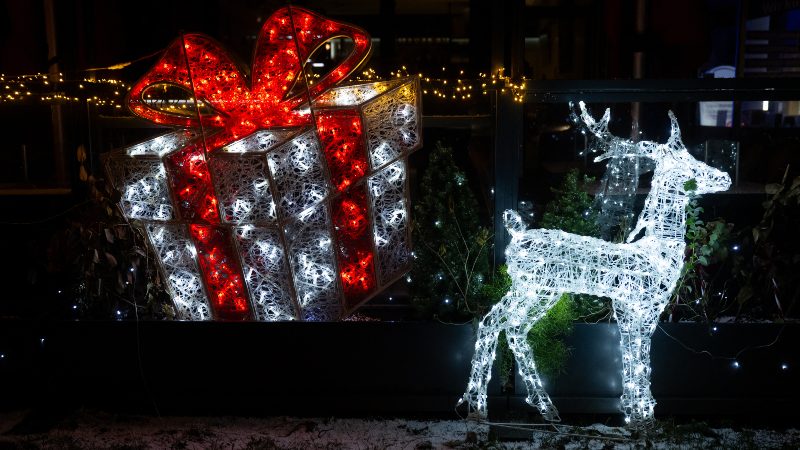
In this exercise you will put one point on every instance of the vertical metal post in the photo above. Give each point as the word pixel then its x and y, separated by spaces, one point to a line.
pixel 59 159
pixel 388 32
pixel 507 52
pixel 638 66
pixel 741 35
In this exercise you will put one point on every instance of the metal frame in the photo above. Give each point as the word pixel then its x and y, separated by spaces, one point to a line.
pixel 281 221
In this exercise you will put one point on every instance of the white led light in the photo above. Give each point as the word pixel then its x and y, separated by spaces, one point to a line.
pixel 289 265
pixel 638 275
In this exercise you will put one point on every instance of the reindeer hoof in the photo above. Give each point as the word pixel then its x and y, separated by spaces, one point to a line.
pixel 477 416
pixel 473 411
pixel 551 416
pixel 546 409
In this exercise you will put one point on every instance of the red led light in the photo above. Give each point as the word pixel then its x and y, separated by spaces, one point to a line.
pixel 191 184
pixel 356 265
pixel 341 135
pixel 238 105
pixel 234 105
pixel 221 272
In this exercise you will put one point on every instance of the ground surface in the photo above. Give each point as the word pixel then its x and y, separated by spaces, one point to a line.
pixel 97 430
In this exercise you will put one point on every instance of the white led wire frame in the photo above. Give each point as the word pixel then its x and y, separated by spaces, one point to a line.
pixel 638 275
pixel 286 247
pixel 616 194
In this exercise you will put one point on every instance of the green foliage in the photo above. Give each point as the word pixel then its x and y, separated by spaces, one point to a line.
pixel 706 247
pixel 497 287
pixel 452 246
pixel 546 338
pixel 494 291
pixel 751 271
pixel 769 282
pixel 571 209
pixel 103 262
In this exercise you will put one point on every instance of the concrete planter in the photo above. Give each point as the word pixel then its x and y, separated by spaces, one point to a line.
pixel 382 368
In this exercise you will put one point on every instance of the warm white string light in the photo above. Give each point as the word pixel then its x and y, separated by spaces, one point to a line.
pixel 638 275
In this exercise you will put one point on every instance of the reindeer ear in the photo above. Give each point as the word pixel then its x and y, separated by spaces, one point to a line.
pixel 602 157
pixel 674 142
pixel 513 221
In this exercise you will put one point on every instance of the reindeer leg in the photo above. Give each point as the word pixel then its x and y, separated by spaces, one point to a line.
pixel 485 346
pixel 518 342
pixel 637 400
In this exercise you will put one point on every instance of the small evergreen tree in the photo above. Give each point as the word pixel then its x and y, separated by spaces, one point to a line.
pixel 571 209
pixel 451 245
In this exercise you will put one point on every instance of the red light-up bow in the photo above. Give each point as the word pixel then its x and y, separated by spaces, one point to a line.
pixel 239 105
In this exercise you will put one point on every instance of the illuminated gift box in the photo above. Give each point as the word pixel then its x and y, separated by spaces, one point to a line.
pixel 261 207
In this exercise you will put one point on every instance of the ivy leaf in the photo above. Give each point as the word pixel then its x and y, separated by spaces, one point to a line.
pixel 690 186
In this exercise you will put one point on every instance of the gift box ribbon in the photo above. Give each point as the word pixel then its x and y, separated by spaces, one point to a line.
pixel 233 105
pixel 238 104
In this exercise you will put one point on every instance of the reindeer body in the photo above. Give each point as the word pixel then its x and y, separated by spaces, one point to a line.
pixel 638 277
pixel 593 266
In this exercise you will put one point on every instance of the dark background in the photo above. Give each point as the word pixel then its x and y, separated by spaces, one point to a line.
pixel 541 40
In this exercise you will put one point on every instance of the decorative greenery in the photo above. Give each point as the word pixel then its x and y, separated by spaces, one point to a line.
pixel 451 259
pixel 769 276
pixel 570 210
pixel 494 291
pixel 697 294
pixel 103 261
pixel 749 272
pixel 547 336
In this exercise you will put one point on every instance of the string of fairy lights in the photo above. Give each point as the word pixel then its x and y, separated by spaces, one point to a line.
pixel 460 88
pixel 109 93
pixel 56 89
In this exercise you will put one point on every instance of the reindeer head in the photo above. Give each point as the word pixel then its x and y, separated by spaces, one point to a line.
pixel 693 175
pixel 671 156
pixel 514 224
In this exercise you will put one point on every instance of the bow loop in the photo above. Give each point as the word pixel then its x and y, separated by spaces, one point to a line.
pixel 239 106
pixel 291 35
pixel 210 76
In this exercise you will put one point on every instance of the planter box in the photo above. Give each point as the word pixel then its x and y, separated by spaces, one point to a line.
pixel 347 368
pixel 685 381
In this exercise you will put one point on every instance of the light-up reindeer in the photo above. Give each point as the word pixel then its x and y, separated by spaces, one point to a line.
pixel 638 276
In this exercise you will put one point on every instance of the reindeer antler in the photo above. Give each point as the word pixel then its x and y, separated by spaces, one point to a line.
pixel 674 142
pixel 598 129
pixel 616 146
pixel 652 150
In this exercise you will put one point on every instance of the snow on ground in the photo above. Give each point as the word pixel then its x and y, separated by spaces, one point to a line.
pixel 96 430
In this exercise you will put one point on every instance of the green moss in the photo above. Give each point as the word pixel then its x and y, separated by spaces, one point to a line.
pixel 546 338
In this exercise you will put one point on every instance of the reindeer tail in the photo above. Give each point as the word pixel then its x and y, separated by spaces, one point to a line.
pixel 513 221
